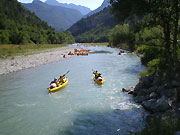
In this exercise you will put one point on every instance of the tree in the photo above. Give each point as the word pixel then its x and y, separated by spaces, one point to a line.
pixel 4 37
pixel 121 34
pixel 164 13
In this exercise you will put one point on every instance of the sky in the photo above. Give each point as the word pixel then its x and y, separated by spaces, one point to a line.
pixel 92 4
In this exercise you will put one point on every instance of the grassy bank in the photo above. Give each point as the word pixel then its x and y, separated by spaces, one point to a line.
pixel 13 50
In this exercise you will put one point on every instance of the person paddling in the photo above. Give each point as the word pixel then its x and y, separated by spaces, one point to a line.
pixel 98 77
pixel 97 74
pixel 53 84
pixel 62 79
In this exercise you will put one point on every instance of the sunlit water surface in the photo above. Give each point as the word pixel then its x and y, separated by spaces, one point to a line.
pixel 82 107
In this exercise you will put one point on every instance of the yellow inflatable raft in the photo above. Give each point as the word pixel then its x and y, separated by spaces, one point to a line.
pixel 59 86
pixel 101 81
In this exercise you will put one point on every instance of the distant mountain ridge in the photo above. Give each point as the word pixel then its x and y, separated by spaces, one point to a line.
pixel 103 5
pixel 60 18
pixel 84 10
pixel 94 28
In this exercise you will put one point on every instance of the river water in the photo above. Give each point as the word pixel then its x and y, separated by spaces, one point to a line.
pixel 82 107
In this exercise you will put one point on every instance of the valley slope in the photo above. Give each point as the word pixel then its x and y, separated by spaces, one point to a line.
pixel 60 18
pixel 94 28
pixel 84 10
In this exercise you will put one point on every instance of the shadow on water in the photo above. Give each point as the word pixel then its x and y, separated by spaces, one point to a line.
pixel 115 122
pixel 134 69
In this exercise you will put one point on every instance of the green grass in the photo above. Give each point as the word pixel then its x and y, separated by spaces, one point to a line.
pixel 13 50
pixel 98 44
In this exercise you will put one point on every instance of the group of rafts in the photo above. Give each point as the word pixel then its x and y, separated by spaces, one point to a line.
pixel 80 52
pixel 57 84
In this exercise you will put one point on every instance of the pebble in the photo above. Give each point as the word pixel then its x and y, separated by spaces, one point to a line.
pixel 29 61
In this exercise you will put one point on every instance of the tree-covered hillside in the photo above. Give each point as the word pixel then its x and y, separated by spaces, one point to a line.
pixel 94 28
pixel 20 26
pixel 60 18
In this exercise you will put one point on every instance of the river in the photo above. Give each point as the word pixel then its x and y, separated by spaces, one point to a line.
pixel 82 107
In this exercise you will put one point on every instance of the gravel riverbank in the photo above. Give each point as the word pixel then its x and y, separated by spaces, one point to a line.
pixel 28 61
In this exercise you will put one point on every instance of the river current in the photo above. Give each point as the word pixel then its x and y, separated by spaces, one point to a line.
pixel 82 107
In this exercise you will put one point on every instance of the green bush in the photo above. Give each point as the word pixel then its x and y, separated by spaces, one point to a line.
pixel 149 36
pixel 155 66
pixel 121 34
pixel 4 37
pixel 149 53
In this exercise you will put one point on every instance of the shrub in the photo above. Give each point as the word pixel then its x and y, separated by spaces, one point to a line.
pixel 121 34
pixel 149 53
pixel 149 36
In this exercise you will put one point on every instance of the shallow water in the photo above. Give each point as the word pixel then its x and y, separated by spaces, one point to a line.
pixel 82 107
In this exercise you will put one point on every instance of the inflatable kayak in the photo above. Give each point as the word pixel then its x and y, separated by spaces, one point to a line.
pixel 59 86
pixel 99 81
pixel 84 50
pixel 82 53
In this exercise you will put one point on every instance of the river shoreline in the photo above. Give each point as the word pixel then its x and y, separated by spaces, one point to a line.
pixel 160 96
pixel 21 62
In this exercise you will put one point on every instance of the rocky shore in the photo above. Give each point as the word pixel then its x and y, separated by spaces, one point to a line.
pixel 17 63
pixel 161 97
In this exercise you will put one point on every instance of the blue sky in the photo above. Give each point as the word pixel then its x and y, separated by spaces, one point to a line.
pixel 92 4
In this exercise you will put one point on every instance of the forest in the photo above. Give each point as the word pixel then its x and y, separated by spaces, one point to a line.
pixel 150 28
pixel 20 26
pixel 94 28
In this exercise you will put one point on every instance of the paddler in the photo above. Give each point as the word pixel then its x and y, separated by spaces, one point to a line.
pixel 62 79
pixel 53 84
pixel 96 74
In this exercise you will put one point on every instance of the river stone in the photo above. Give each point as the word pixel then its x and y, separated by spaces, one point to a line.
pixel 128 89
pixel 161 104
pixel 150 104
pixel 142 92
pixel 156 81
pixel 160 89
pixel 139 99
pixel 168 92
pixel 152 89
pixel 131 92
pixel 146 81
pixel 175 83
pixel 137 88
pixel 153 95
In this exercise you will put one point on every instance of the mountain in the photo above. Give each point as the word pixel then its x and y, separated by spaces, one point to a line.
pixel 60 18
pixel 104 5
pixel 84 10
pixel 94 28
pixel 20 26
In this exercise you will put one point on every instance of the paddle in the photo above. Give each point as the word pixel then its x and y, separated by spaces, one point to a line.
pixel 93 70
pixel 67 72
